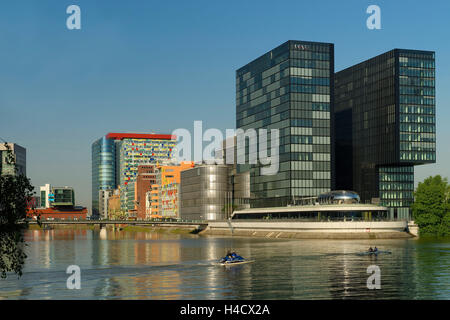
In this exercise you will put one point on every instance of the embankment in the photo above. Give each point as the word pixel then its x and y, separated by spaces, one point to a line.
pixel 310 230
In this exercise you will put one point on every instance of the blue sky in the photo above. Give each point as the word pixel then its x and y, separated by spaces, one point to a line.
pixel 154 66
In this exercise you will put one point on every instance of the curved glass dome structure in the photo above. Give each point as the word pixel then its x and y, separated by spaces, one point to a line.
pixel 338 197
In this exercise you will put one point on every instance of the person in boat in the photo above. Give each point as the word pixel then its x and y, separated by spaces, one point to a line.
pixel 228 257
pixel 375 249
pixel 236 256
pixel 370 249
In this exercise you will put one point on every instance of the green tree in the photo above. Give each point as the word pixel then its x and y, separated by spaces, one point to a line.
pixel 15 193
pixel 431 207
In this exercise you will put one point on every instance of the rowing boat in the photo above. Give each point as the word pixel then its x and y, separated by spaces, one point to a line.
pixel 374 252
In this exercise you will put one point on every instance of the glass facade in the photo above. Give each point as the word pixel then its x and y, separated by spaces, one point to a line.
pixel 20 158
pixel 289 88
pixel 63 197
pixel 103 170
pixel 417 106
pixel 384 125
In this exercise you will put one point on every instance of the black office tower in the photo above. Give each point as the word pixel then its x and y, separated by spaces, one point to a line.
pixel 290 88
pixel 384 119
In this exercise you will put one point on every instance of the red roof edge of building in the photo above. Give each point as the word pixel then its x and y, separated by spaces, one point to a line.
pixel 121 136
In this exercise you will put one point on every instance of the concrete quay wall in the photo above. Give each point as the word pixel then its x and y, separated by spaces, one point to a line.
pixel 311 230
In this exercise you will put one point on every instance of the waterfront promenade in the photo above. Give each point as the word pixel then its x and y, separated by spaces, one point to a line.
pixel 283 228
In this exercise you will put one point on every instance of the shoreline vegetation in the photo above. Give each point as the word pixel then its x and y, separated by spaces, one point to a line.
pixel 431 207
pixel 15 192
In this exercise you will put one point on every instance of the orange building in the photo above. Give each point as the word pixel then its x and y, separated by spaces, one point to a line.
pixel 145 179
pixel 168 179
pixel 156 190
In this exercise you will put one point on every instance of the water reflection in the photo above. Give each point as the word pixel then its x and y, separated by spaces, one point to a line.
pixel 140 265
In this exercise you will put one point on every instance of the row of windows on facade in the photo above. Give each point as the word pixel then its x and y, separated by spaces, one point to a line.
pixel 417 109
pixel 289 192
pixel 412 118
pixel 294 174
pixel 389 177
pixel 290 105
pixel 268 116
pixel 312 148
pixel 413 72
pixel 319 127
pixel 416 81
pixel 396 195
pixel 418 146
pixel 422 137
pixel 417 128
pixel 417 156
pixel 304 156
pixel 396 186
pixel 299 97
pixel 309 89
pixel 398 203
pixel 266 186
pixel 274 81
pixel 419 91
pixel 416 62
pixel 408 99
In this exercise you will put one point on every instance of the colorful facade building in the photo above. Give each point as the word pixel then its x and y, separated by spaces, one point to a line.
pixel 139 151
pixel 115 161
pixel 154 202
pixel 168 178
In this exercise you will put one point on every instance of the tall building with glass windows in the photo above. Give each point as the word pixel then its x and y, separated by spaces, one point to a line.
pixel 20 156
pixel 290 88
pixel 103 170
pixel 115 161
pixel 385 125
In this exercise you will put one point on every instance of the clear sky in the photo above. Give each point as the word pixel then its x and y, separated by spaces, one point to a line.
pixel 154 66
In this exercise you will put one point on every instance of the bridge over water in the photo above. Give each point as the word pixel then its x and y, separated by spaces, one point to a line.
pixel 196 224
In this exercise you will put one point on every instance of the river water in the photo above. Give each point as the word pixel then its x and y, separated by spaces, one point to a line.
pixel 144 265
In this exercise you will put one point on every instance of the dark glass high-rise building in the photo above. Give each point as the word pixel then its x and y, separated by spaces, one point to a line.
pixel 384 120
pixel 290 88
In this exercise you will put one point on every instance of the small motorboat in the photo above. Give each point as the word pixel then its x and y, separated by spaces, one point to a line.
pixel 233 259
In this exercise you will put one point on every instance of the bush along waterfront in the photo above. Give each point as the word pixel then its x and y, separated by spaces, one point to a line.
pixel 431 208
